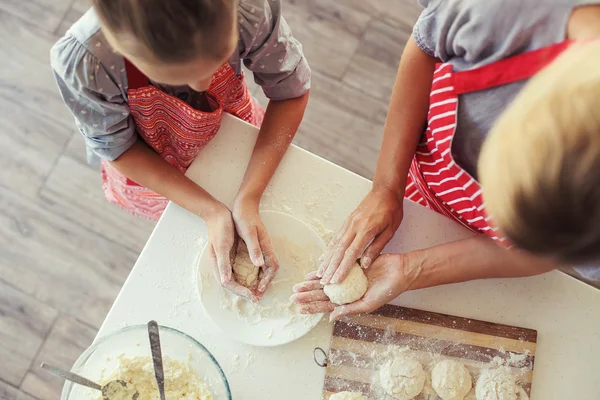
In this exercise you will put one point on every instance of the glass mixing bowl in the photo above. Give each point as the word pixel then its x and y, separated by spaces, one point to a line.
pixel 102 357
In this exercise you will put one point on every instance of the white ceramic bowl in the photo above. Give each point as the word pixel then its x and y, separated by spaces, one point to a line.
pixel 274 330
pixel 102 357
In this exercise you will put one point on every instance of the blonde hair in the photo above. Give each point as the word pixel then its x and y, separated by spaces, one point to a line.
pixel 540 166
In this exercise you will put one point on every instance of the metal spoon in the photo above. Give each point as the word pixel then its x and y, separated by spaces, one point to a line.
pixel 113 390
pixel 157 357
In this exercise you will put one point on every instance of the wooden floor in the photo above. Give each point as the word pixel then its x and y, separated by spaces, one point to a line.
pixel 64 252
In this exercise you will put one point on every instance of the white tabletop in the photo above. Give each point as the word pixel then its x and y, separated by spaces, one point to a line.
pixel 564 311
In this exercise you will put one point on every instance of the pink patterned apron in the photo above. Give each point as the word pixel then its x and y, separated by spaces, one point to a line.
pixel 435 179
pixel 175 130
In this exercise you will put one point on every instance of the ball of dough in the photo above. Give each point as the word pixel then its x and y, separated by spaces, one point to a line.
pixel 496 384
pixel 402 378
pixel 244 271
pixel 347 396
pixel 350 289
pixel 451 380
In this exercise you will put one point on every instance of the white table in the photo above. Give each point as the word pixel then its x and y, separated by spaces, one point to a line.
pixel 565 312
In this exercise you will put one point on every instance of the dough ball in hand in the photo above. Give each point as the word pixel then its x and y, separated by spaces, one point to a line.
pixel 244 272
pixel 347 396
pixel 350 289
pixel 451 380
pixel 402 378
pixel 496 384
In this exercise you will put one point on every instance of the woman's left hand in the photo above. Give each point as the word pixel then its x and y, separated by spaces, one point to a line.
pixel 389 276
pixel 252 231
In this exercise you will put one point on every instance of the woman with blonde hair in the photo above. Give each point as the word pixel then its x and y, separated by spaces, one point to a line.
pixel 509 93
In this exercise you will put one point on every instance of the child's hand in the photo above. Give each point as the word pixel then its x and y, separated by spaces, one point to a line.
pixel 364 235
pixel 223 247
pixel 252 231
pixel 389 276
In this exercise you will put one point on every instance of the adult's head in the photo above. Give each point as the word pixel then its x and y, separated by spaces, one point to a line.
pixel 540 166
pixel 175 42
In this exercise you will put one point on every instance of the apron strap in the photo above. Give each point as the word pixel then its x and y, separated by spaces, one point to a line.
pixel 136 79
pixel 512 69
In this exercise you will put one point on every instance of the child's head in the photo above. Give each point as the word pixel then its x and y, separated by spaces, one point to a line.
pixel 176 42
pixel 540 166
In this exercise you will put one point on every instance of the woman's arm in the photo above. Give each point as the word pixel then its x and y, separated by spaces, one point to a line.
pixel 144 166
pixel 406 120
pixel 469 259
pixel 392 274
pixel 281 122
pixel 371 226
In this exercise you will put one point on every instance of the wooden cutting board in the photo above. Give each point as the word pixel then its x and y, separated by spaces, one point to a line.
pixel 361 344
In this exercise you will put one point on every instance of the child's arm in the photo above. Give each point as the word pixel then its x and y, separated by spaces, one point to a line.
pixel 371 226
pixel 144 166
pixel 279 127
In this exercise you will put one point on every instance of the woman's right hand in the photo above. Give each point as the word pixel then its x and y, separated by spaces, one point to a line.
pixel 364 235
pixel 222 240
pixel 389 277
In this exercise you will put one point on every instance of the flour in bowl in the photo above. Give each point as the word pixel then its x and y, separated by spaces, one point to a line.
pixel 181 381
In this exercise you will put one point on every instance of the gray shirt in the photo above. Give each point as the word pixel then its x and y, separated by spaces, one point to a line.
pixel 92 79
pixel 473 33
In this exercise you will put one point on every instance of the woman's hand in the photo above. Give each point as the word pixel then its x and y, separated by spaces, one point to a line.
pixel 389 276
pixel 364 235
pixel 223 246
pixel 252 231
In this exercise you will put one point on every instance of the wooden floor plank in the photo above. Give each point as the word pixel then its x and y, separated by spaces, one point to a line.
pixel 399 10
pixel 75 12
pixel 74 191
pixel 348 98
pixel 327 46
pixel 373 67
pixel 24 323
pixel 65 343
pixel 36 125
pixel 336 13
pixel 60 263
pixel 340 136
pixel 47 14
pixel 8 392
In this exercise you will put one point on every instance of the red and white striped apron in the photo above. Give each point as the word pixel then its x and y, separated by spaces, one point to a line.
pixel 435 179
pixel 175 130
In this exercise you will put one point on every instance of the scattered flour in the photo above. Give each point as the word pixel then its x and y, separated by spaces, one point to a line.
pixel 347 396
pixel 295 262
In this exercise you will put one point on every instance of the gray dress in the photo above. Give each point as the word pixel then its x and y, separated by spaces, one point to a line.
pixel 92 79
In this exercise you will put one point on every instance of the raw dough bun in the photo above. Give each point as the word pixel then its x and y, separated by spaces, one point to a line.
pixel 496 384
pixel 350 289
pixel 347 396
pixel 451 380
pixel 244 272
pixel 402 378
